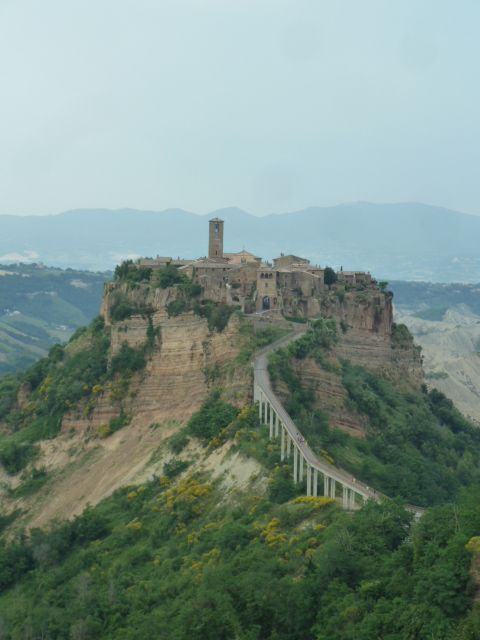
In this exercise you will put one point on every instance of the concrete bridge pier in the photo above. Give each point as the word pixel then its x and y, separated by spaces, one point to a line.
pixel 282 442
pixel 295 464
pixel 309 480
pixel 348 498
pixel 329 487
pixel 333 487
pixel 315 482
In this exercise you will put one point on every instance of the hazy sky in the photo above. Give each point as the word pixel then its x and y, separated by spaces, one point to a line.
pixel 269 105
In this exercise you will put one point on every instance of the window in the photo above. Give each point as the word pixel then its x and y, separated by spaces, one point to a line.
pixel 215 229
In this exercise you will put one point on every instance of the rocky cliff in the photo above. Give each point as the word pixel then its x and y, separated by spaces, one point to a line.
pixel 367 337
pixel 184 359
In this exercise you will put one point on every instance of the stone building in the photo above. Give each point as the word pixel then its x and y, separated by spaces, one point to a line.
pixel 215 239
pixel 292 285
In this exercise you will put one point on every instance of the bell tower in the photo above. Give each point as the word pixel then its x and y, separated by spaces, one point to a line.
pixel 215 239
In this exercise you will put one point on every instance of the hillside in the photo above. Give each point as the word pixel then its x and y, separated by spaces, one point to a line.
pixel 40 306
pixel 193 559
pixel 156 506
pixel 401 241
pixel 445 321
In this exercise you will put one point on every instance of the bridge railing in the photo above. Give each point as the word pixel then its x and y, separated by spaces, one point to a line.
pixel 272 412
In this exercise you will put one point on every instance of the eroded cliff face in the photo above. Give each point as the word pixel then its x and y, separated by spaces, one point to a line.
pixel 368 338
pixel 185 361
pixel 367 334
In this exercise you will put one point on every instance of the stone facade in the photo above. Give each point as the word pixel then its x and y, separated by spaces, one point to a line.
pixel 215 239
pixel 291 286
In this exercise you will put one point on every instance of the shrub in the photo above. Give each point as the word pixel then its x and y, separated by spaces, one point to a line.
pixel 129 272
pixel 330 277
pixel 217 314
pixel 178 441
pixel 214 415
pixel 175 467
pixel 169 276
pixel 118 422
pixel 176 307
pixel 16 455
pixel 281 487
pixel 190 289
pixel 9 386
pixel 401 336
pixel 128 360
pixel 32 481
pixel 122 308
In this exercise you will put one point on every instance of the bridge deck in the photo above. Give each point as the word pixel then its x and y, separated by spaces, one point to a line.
pixel 262 380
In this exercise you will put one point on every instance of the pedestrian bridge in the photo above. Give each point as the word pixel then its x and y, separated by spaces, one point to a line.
pixel 321 477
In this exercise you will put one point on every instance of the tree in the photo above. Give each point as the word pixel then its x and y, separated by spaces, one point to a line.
pixel 330 277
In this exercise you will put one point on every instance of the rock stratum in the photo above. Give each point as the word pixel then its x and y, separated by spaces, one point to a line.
pixel 185 358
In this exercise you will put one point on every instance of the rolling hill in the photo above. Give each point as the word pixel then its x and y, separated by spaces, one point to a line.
pixel 41 306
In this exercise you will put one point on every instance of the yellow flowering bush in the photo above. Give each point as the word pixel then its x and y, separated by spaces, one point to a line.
pixel 316 502
pixel 473 545
pixel 272 535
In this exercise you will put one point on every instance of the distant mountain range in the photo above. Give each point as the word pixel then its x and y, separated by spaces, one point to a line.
pixel 401 241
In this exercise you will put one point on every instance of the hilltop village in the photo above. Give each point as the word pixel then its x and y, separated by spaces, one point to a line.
pixel 290 285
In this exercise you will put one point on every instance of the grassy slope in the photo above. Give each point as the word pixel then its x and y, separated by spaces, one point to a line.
pixel 40 307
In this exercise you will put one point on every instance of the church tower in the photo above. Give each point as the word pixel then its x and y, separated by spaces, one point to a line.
pixel 215 239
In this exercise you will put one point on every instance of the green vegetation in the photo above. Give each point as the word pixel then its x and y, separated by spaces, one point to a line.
pixel 9 386
pixel 188 295
pixel 122 308
pixel 320 337
pixel 128 360
pixel 207 424
pixel 176 307
pixel 214 416
pixel 299 319
pixel 216 313
pixel 184 557
pixel 69 375
pixel 418 446
pixel 128 271
pixel 55 384
pixel 165 277
pixel 169 276
pixel 330 276
pixel 175 467
pixel 174 559
pixel 40 306
pixel 401 337
pixel 31 482
pixel 254 338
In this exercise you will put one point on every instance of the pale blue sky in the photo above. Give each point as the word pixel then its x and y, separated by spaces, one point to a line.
pixel 269 105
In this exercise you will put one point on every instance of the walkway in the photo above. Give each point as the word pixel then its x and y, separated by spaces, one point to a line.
pixel 305 462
